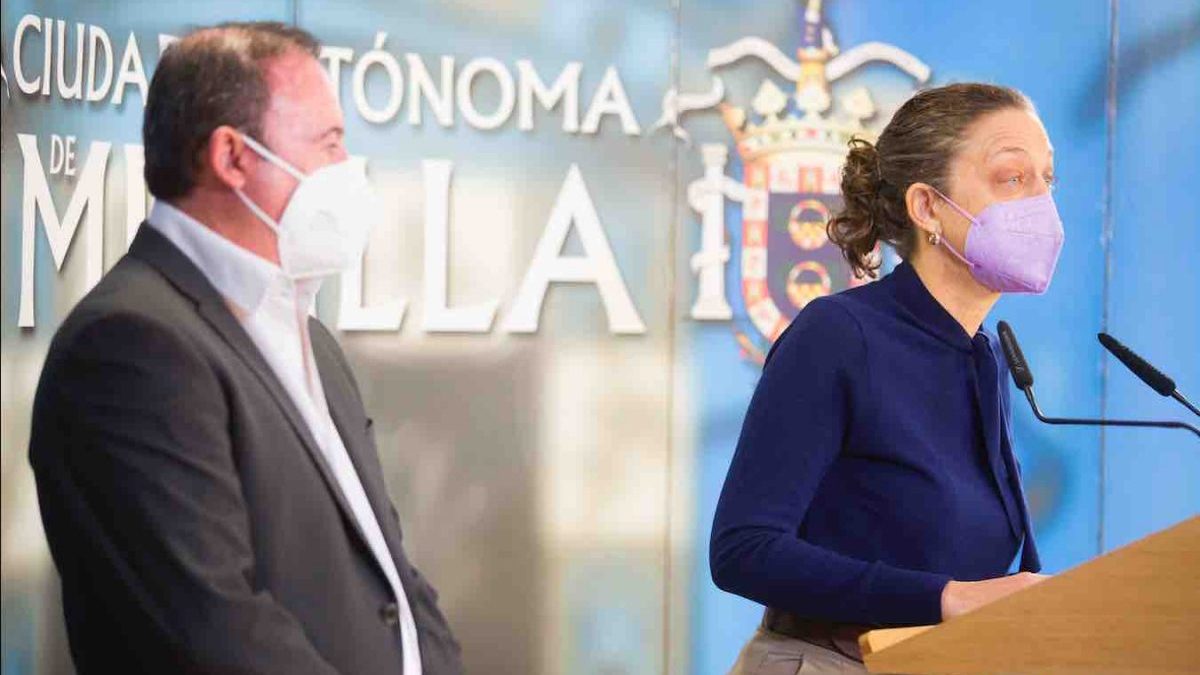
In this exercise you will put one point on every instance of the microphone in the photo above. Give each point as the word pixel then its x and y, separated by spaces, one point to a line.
pixel 1157 381
pixel 1021 374
pixel 1023 378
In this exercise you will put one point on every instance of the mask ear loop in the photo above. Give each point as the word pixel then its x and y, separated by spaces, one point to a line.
pixel 272 157
pixel 276 160
pixel 256 210
pixel 964 214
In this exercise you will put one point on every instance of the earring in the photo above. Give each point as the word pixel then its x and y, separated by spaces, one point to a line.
pixel 935 238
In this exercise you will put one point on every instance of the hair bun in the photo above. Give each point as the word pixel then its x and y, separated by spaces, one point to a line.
pixel 863 159
pixel 856 229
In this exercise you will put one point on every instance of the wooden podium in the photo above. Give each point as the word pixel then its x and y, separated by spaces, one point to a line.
pixel 1135 609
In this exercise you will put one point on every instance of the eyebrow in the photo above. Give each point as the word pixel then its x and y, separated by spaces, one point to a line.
pixel 336 130
pixel 1016 149
pixel 1008 148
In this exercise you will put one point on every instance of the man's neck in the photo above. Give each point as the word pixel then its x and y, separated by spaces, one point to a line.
pixel 228 217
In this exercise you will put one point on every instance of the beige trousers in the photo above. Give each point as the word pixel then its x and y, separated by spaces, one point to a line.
pixel 769 653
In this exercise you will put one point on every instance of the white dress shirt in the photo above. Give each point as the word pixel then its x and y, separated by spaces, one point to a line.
pixel 274 311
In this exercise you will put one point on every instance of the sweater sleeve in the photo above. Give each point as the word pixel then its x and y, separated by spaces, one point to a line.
pixel 792 433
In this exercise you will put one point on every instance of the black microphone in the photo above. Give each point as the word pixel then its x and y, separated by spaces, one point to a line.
pixel 1021 374
pixel 1157 381
pixel 1023 377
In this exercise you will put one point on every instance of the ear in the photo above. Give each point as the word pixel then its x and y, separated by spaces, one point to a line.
pixel 227 158
pixel 921 202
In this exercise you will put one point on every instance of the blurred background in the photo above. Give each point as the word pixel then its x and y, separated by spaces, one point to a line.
pixel 556 467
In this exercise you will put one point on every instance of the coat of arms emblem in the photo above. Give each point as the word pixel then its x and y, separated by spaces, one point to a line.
pixel 789 145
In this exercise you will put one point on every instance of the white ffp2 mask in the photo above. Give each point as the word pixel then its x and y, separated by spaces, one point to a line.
pixel 324 227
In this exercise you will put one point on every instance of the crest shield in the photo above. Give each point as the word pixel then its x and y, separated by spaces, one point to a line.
pixel 787 258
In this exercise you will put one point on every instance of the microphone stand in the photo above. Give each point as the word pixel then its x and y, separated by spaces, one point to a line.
pixel 1023 378
pixel 1168 424
pixel 1186 403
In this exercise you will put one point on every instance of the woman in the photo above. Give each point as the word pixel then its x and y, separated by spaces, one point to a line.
pixel 874 482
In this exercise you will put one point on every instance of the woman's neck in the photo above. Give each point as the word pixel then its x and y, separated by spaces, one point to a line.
pixel 951 284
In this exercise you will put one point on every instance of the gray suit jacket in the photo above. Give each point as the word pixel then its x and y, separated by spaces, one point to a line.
pixel 194 523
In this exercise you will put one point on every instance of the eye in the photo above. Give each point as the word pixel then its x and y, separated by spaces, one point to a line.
pixel 1051 182
pixel 1015 180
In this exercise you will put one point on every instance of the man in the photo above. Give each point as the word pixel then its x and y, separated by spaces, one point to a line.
pixel 206 471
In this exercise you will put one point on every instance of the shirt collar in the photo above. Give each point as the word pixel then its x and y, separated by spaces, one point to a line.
pixel 927 312
pixel 242 277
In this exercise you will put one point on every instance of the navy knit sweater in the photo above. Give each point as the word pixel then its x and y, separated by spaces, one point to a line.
pixel 874 465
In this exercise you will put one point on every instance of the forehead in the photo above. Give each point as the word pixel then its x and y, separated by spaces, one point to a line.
pixel 1013 131
pixel 301 92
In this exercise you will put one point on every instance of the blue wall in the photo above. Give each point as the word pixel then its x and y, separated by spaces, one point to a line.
pixel 1152 480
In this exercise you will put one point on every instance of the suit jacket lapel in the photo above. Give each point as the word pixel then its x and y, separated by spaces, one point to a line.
pixel 154 249
pixel 340 398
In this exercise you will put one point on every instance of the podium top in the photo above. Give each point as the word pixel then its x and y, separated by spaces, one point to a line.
pixel 1133 610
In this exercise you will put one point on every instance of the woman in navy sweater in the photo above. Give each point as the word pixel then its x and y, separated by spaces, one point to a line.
pixel 874 482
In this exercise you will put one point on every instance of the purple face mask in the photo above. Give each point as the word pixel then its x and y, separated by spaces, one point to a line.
pixel 1012 246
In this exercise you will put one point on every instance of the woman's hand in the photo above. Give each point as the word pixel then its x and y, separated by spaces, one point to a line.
pixel 960 597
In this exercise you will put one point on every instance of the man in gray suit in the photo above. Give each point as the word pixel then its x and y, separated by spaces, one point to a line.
pixel 206 471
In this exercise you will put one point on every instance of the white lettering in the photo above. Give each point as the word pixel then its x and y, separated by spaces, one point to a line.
pixel 596 266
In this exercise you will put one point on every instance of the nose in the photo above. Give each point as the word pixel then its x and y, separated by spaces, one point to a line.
pixel 340 154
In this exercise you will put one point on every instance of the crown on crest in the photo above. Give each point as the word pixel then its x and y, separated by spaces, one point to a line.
pixel 803 121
